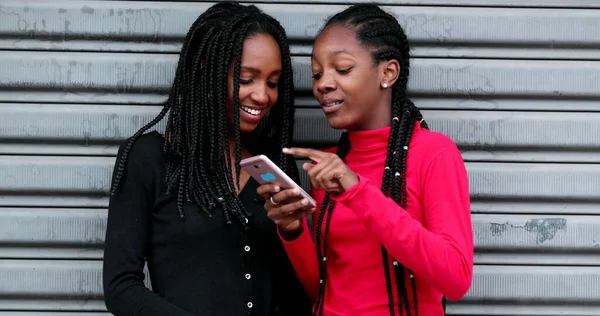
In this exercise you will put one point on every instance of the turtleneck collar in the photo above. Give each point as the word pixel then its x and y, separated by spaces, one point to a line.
pixel 370 139
pixel 374 139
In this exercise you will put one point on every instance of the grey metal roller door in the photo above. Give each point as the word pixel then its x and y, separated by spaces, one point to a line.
pixel 516 85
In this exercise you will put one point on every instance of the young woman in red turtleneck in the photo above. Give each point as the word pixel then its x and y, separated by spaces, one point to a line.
pixel 392 234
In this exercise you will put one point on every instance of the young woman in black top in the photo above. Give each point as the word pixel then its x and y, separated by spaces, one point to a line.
pixel 180 202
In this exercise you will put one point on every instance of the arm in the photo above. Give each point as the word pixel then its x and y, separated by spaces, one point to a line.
pixel 442 253
pixel 302 254
pixel 293 298
pixel 127 242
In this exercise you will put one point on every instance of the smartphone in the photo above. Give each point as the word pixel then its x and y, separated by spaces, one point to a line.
pixel 263 170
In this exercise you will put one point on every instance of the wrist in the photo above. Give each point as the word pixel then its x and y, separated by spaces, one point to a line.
pixel 291 233
pixel 350 182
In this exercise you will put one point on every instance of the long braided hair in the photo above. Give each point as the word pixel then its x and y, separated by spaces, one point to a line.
pixel 198 164
pixel 380 33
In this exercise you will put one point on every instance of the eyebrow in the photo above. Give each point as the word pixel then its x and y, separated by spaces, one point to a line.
pixel 256 70
pixel 337 52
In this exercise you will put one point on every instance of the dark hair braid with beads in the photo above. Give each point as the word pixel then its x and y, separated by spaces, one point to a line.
pixel 380 33
pixel 197 149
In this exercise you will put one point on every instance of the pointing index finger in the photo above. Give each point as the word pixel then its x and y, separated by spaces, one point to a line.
pixel 312 154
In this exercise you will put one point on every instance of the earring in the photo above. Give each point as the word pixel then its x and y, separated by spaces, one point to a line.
pixel 384 85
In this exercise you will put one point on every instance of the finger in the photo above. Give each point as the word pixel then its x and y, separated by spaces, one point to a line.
pixel 292 209
pixel 313 172
pixel 266 190
pixel 282 196
pixel 323 175
pixel 328 177
pixel 286 221
pixel 309 153
pixel 286 212
pixel 307 166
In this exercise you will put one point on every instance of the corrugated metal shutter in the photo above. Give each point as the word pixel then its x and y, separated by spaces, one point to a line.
pixel 516 85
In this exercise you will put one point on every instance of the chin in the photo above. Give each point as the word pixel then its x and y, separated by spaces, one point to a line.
pixel 338 122
pixel 246 127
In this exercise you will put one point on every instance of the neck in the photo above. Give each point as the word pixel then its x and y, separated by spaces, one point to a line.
pixel 381 116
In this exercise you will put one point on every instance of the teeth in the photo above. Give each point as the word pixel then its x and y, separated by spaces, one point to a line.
pixel 334 103
pixel 251 111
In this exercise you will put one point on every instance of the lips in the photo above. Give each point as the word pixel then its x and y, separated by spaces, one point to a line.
pixel 251 111
pixel 331 105
pixel 252 114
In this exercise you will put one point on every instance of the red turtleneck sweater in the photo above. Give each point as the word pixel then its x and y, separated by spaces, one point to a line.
pixel 433 237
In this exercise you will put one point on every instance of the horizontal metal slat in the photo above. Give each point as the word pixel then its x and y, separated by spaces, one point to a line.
pixel 526 286
pixel 53 227
pixel 536 239
pixel 526 233
pixel 42 313
pixel 536 285
pixel 89 178
pixel 480 135
pixel 483 3
pixel 435 31
pixel 72 279
pixel 60 76
pixel 109 125
pixel 506 239
pixel 38 306
pixel 490 135
pixel 512 309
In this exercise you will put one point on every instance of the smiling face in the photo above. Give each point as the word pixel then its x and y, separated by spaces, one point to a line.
pixel 259 77
pixel 348 84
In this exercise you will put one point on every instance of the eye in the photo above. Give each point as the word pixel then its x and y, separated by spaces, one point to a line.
pixel 272 84
pixel 316 76
pixel 344 71
pixel 242 81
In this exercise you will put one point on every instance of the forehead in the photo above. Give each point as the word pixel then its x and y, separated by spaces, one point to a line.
pixel 261 51
pixel 338 38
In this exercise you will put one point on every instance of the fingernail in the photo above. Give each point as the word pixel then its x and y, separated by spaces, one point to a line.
pixel 276 189
pixel 304 202
pixel 296 191
pixel 285 149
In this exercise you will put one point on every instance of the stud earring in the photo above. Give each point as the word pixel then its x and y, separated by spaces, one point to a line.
pixel 384 85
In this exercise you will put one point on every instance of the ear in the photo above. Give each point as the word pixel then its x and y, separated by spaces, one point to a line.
pixel 390 70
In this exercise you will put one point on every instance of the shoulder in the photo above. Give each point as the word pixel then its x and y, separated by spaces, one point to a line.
pixel 146 151
pixel 428 146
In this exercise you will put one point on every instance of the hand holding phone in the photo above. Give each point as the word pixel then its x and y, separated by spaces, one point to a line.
pixel 264 171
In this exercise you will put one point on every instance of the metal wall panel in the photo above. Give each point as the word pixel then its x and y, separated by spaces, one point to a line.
pixel 78 129
pixel 515 84
pixel 571 286
pixel 60 233
pixel 434 31
pixel 118 73
pixel 90 177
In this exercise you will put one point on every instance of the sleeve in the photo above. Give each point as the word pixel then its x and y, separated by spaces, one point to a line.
pixel 294 300
pixel 441 252
pixel 302 254
pixel 127 242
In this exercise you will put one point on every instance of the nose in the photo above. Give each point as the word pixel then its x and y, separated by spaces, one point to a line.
pixel 259 95
pixel 325 84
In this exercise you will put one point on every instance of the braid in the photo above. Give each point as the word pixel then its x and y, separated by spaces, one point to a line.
pixel 327 209
pixel 380 33
pixel 129 144
pixel 198 164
